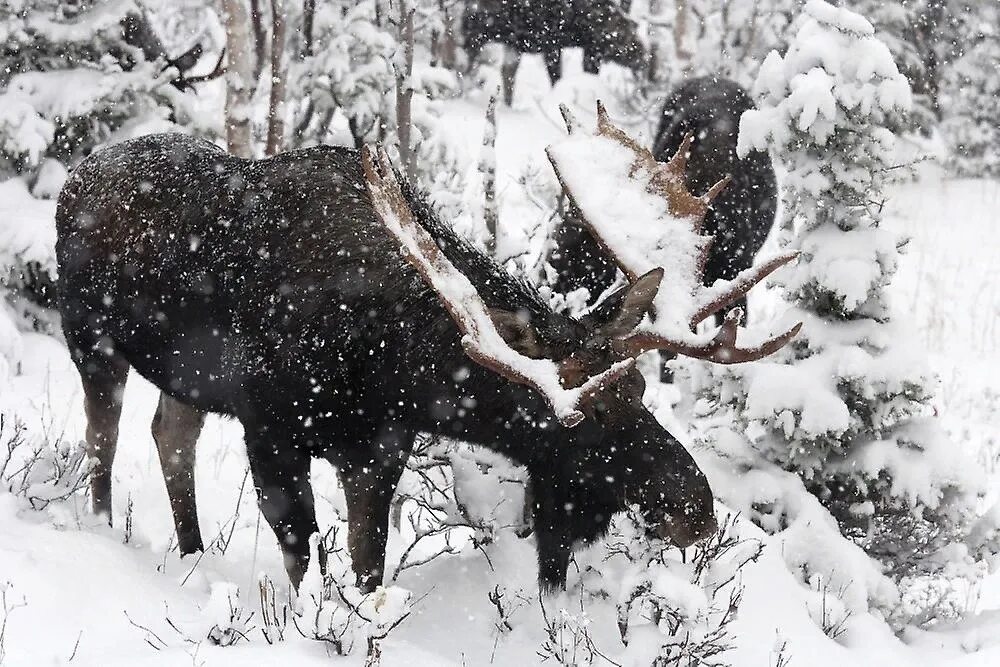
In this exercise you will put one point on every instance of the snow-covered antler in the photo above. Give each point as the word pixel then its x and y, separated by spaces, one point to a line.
pixel 641 212
pixel 480 338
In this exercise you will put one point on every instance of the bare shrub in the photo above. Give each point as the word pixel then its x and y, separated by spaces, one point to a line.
pixel 43 471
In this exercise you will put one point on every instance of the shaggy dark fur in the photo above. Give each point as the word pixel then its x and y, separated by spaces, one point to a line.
pixel 268 291
pixel 600 27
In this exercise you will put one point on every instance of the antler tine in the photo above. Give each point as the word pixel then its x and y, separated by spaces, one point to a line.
pixel 642 156
pixel 738 287
pixel 698 220
pixel 717 189
pixel 726 338
pixel 722 349
pixel 677 164
pixel 602 116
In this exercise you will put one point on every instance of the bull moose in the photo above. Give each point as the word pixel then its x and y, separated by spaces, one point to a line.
pixel 270 291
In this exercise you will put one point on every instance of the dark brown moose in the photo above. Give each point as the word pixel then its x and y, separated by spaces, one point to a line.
pixel 271 291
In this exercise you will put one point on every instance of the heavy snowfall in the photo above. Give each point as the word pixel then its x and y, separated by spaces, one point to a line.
pixel 500 332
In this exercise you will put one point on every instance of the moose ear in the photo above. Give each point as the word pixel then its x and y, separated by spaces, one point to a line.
pixel 619 314
pixel 517 332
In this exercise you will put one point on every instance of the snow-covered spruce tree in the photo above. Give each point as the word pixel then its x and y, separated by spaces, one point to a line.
pixel 971 104
pixel 898 26
pixel 74 75
pixel 845 407
pixel 347 81
pixel 348 71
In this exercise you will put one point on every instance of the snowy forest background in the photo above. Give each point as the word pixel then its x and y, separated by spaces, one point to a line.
pixel 855 470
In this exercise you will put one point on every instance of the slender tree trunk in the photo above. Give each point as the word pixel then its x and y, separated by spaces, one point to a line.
pixel 306 117
pixel 680 31
pixel 656 48
pixel 404 92
pixel 308 15
pixel 259 38
pixel 446 47
pixel 239 78
pixel 488 168
pixel 276 102
pixel 929 37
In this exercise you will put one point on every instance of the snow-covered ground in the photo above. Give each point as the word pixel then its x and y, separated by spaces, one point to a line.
pixel 76 591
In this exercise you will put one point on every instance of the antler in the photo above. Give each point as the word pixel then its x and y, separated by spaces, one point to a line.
pixel 480 338
pixel 644 217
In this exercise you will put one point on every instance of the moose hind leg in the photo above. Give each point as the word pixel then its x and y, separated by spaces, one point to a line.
pixel 103 376
pixel 176 428
pixel 285 496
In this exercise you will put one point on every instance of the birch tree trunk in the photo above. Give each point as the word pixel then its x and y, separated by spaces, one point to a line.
pixel 239 78
pixel 404 92
pixel 276 102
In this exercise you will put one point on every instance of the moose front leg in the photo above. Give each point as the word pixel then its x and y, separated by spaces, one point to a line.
pixel 553 538
pixel 553 64
pixel 369 484
pixel 285 496
pixel 554 551
pixel 553 541
pixel 508 73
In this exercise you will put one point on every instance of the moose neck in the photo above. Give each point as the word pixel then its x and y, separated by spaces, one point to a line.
pixel 493 412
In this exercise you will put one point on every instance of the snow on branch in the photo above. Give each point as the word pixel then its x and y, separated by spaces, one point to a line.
pixel 480 338
pixel 835 68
